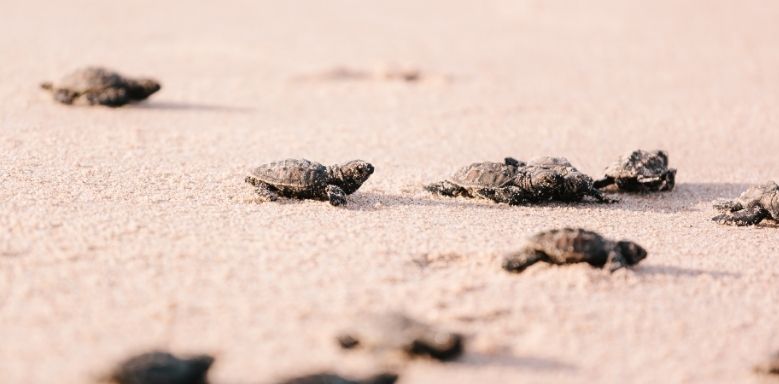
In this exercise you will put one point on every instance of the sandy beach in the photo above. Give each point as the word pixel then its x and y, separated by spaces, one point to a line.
pixel 127 229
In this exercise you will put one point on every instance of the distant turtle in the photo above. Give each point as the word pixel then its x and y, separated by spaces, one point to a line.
pixel 331 378
pixel 304 179
pixel 397 334
pixel 574 245
pixel 515 182
pixel 770 366
pixel 751 207
pixel 640 171
pixel 162 368
pixel 101 86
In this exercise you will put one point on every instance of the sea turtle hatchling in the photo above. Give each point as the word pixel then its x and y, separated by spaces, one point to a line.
pixel 515 182
pixel 640 171
pixel 331 378
pixel 162 368
pixel 574 245
pixel 397 335
pixel 101 86
pixel 757 203
pixel 305 179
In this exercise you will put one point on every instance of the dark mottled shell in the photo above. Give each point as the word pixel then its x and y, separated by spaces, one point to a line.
pixel 639 163
pixel 487 174
pixel 90 78
pixel 162 368
pixel 765 195
pixel 303 174
pixel 570 244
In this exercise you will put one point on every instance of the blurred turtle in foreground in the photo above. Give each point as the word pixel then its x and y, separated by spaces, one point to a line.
pixel 331 378
pixel 162 368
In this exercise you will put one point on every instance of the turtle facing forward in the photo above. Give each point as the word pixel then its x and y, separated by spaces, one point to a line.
pixel 162 368
pixel 575 245
pixel 640 171
pixel 304 179
pixel 751 207
pixel 515 182
pixel 101 86
pixel 395 334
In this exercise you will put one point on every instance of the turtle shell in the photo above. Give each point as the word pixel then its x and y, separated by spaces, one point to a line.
pixel 292 173
pixel 639 163
pixel 550 162
pixel 90 78
pixel 570 245
pixel 484 175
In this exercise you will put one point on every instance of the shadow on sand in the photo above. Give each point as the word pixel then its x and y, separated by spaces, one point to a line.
pixel 187 106
pixel 507 360
pixel 684 198
pixel 672 271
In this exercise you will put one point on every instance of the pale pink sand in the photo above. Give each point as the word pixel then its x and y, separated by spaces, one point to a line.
pixel 126 229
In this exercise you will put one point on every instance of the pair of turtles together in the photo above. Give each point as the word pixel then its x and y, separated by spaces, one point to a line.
pixel 555 178
pixel 387 335
pixel 511 181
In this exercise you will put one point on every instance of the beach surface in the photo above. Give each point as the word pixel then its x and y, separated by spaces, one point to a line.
pixel 123 230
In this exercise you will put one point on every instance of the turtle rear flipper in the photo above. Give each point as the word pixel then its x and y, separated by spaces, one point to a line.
pixel 744 217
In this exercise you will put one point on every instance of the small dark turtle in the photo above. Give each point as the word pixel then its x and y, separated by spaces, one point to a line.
pixel 757 203
pixel 770 366
pixel 640 171
pixel 515 182
pixel 304 179
pixel 331 378
pixel 395 333
pixel 569 245
pixel 101 86
pixel 162 368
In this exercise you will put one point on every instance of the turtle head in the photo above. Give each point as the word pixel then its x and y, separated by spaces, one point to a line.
pixel 140 89
pixel 632 252
pixel 350 176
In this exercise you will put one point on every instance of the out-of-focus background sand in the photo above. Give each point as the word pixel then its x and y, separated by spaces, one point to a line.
pixel 126 229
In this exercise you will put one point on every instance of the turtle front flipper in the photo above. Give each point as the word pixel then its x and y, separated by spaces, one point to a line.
pixel 335 195
pixel 445 188
pixel 600 197
pixel 109 97
pixel 519 261
pixel 64 96
pixel 744 217
pixel 603 183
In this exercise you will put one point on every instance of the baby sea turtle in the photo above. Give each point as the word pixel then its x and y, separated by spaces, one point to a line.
pixel 751 207
pixel 304 179
pixel 162 368
pixel 574 245
pixel 96 85
pixel 515 182
pixel 640 171
pixel 397 334
pixel 331 378
pixel 770 366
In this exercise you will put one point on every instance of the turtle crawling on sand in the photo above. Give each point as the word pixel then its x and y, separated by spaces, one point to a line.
pixel 305 179
pixel 574 245
pixel 397 334
pixel 331 378
pixel 515 182
pixel 640 171
pixel 101 86
pixel 757 203
pixel 162 368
